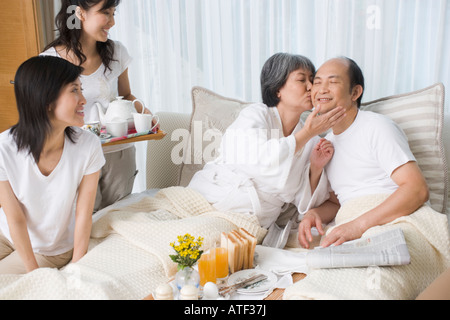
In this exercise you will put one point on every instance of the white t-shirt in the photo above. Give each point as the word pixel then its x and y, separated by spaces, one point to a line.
pixel 102 86
pixel 366 155
pixel 49 202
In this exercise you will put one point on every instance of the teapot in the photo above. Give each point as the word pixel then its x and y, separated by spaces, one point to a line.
pixel 117 110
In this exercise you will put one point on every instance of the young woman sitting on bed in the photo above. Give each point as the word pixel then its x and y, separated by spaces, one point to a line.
pixel 264 159
pixel 49 170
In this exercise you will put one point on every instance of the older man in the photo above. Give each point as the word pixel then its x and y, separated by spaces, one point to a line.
pixel 372 156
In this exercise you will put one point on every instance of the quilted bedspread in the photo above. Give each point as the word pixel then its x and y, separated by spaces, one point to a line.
pixel 129 251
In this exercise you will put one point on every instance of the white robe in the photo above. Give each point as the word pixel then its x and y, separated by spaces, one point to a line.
pixel 257 171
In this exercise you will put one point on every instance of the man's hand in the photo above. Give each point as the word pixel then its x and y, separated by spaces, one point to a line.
pixel 323 214
pixel 310 220
pixel 343 233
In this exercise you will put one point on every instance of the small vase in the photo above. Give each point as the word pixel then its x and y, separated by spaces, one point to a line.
pixel 187 276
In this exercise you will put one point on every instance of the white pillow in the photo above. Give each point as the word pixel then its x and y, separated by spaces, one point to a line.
pixel 211 113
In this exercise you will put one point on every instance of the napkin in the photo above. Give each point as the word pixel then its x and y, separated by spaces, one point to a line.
pixel 280 262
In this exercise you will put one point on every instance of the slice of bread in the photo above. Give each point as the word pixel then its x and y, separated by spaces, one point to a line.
pixel 251 246
pixel 241 249
pixel 223 240
pixel 233 251
pixel 238 251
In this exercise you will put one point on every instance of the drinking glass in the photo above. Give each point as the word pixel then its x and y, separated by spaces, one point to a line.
pixel 221 263
pixel 207 267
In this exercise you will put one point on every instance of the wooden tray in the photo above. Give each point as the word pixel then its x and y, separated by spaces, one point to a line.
pixel 135 138
pixel 277 294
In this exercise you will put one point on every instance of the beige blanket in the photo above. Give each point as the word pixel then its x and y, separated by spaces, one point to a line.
pixel 427 237
pixel 130 247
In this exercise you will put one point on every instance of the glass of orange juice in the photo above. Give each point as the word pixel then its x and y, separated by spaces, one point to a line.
pixel 207 267
pixel 221 263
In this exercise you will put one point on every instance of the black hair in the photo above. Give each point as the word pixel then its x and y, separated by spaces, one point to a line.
pixel 69 34
pixel 37 85
pixel 276 71
pixel 356 77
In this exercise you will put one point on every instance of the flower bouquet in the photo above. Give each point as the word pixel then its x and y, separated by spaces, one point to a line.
pixel 187 254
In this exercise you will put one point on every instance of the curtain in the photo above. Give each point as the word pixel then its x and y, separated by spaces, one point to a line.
pixel 47 12
pixel 401 45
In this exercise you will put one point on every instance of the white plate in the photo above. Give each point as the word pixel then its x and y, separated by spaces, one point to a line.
pixel 259 287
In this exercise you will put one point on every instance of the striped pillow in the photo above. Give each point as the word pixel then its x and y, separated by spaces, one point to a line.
pixel 421 116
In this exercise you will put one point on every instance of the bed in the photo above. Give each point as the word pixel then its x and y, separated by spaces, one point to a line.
pixel 129 248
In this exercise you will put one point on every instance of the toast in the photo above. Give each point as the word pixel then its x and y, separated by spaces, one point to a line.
pixel 233 251
pixel 251 246
pixel 237 251
pixel 241 249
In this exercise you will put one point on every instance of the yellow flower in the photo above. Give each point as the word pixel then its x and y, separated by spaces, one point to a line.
pixel 188 250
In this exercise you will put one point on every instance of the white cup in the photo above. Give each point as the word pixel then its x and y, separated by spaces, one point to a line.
pixel 144 122
pixel 93 127
pixel 117 128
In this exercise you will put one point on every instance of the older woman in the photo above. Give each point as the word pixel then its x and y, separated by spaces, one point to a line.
pixel 265 154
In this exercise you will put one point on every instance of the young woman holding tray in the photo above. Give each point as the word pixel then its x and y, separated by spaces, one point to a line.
pixel 83 27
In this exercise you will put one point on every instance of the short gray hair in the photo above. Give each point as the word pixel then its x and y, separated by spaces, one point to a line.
pixel 276 71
